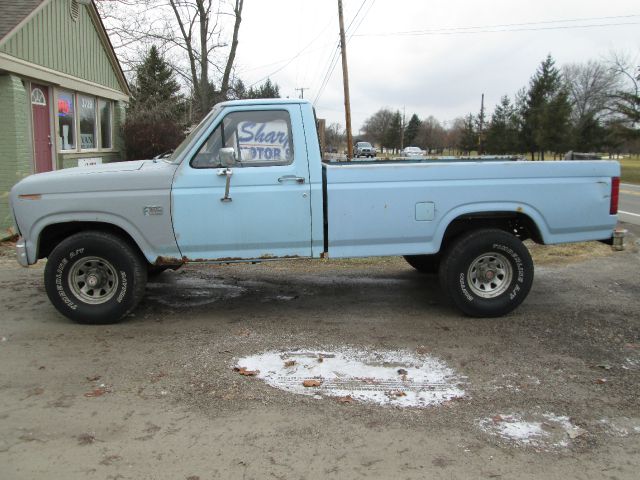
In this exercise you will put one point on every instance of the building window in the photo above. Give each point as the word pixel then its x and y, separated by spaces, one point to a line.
pixel 92 126
pixel 104 107
pixel 66 121
pixel 87 111
pixel 37 97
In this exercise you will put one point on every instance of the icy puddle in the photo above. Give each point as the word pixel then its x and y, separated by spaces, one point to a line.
pixel 540 431
pixel 400 378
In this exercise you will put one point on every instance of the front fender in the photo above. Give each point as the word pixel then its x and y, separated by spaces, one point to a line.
pixel 150 249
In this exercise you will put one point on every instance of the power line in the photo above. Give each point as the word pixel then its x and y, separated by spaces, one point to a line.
pixel 334 59
pixel 506 27
pixel 294 57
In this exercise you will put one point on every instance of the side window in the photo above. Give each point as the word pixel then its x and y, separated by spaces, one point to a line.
pixel 259 138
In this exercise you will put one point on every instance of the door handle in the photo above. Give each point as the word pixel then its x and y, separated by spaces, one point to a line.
pixel 291 178
pixel 226 172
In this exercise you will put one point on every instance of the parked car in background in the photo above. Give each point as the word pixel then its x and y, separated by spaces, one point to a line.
pixel 413 152
pixel 364 149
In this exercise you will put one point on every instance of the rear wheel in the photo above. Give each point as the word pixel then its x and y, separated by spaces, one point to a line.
pixel 487 273
pixel 424 263
pixel 95 277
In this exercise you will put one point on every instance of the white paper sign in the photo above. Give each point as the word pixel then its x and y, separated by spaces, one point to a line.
pixel 89 162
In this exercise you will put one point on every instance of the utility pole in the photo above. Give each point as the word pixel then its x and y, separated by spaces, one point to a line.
pixel 481 127
pixel 302 89
pixel 345 81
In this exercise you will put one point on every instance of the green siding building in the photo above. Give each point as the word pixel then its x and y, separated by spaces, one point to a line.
pixel 62 91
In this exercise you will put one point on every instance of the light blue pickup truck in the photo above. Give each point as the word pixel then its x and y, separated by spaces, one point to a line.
pixel 249 184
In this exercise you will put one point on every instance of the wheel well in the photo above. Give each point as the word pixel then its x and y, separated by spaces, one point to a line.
pixel 518 224
pixel 52 235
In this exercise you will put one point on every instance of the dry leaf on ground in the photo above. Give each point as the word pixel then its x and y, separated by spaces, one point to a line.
pixel 245 372
pixel 98 392
pixel 312 383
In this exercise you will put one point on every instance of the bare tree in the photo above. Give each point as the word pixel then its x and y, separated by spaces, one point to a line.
pixel 189 32
pixel 431 135
pixel 627 97
pixel 590 86
pixel 376 127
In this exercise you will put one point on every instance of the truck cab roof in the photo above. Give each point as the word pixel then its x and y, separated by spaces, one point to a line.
pixel 263 101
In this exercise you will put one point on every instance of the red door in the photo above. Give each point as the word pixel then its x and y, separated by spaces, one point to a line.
pixel 41 127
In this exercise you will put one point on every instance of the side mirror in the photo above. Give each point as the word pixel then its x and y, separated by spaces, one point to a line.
pixel 227 157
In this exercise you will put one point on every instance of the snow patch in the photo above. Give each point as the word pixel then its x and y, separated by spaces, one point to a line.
pixel 401 378
pixel 543 432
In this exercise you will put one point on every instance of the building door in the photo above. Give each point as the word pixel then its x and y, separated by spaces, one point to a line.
pixel 41 128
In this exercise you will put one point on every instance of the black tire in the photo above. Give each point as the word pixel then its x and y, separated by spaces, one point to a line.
pixel 103 260
pixel 424 263
pixel 486 273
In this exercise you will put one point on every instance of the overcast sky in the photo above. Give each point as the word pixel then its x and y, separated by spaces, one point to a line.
pixel 442 73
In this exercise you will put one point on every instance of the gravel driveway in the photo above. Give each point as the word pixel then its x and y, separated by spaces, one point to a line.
pixel 549 391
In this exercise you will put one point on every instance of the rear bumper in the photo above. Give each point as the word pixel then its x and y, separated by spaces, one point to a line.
pixel 21 252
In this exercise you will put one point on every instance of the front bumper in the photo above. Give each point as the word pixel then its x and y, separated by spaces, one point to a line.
pixel 21 252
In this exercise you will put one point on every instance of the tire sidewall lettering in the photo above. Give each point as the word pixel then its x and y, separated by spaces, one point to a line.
pixel 60 271
pixel 123 286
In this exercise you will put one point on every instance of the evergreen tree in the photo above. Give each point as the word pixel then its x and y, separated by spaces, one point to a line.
pixel 266 90
pixel 546 111
pixel 392 138
pixel 468 139
pixel 154 120
pixel 154 84
pixel 411 131
pixel 502 132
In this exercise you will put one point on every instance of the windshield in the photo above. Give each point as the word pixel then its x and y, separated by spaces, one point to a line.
pixel 363 144
pixel 193 134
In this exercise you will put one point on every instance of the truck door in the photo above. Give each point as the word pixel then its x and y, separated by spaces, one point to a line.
pixel 267 211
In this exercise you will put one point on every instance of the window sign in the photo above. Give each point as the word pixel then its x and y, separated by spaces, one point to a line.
pixel 264 141
pixel 259 139
pixel 104 107
pixel 87 110
pixel 66 122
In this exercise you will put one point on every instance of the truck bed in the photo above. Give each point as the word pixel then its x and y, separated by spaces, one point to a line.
pixel 404 207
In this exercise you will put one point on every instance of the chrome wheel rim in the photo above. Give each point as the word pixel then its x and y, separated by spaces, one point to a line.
pixel 93 280
pixel 490 275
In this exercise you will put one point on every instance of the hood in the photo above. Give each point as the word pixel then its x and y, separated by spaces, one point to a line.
pixel 135 175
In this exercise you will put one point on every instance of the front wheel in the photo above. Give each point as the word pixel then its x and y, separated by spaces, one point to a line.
pixel 487 273
pixel 95 277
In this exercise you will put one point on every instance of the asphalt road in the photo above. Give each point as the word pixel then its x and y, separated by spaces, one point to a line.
pixel 550 391
pixel 629 207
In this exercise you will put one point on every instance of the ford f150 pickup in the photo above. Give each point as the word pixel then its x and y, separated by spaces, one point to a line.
pixel 248 184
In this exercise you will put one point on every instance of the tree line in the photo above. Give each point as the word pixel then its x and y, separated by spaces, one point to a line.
pixel 588 107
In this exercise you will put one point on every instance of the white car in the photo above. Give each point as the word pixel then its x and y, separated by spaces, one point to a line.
pixel 413 152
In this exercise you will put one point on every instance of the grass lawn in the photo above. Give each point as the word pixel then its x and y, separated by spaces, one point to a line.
pixel 631 169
